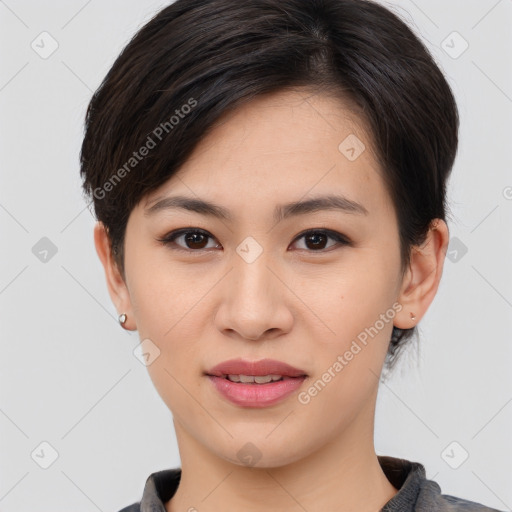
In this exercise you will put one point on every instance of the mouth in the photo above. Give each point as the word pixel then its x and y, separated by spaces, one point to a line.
pixel 258 372
pixel 255 384
pixel 256 379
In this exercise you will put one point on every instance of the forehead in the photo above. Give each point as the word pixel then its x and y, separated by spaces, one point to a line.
pixel 289 144
pixel 290 120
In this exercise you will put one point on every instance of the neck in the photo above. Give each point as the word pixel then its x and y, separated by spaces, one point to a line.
pixel 343 475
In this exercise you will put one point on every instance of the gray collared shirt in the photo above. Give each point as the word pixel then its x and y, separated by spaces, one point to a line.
pixel 415 492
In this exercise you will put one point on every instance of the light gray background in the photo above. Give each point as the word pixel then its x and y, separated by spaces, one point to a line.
pixel 68 375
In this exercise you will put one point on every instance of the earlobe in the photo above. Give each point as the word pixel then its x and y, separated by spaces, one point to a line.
pixel 116 285
pixel 422 278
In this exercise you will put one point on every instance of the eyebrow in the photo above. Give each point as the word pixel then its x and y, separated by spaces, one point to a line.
pixel 281 212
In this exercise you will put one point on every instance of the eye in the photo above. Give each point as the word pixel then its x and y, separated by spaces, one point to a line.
pixel 189 239
pixel 317 240
pixel 195 240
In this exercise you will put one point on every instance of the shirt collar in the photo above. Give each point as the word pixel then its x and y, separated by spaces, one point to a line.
pixel 404 475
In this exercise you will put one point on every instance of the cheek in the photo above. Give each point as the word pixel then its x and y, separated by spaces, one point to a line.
pixel 169 311
pixel 349 356
pixel 355 295
pixel 177 387
pixel 160 296
pixel 355 304
pixel 171 325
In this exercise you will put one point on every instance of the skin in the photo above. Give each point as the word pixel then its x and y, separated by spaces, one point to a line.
pixel 294 303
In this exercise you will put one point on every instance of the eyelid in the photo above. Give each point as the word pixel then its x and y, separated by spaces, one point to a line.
pixel 339 237
pixel 170 238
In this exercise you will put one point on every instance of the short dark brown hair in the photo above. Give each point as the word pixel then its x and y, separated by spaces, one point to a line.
pixel 196 60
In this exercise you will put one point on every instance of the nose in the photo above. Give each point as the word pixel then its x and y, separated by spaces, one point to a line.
pixel 254 301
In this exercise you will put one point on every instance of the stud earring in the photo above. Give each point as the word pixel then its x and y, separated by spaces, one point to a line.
pixel 122 319
pixel 413 317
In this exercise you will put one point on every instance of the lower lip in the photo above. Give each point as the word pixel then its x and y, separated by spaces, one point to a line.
pixel 256 395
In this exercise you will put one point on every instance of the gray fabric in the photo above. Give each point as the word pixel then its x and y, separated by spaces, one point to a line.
pixel 415 492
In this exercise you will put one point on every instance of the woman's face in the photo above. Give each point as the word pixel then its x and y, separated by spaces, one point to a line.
pixel 253 285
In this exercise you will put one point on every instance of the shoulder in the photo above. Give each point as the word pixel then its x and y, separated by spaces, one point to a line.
pixel 431 498
pixel 159 488
pixel 134 507
pixel 419 494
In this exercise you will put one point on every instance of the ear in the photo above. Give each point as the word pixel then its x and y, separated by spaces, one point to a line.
pixel 116 285
pixel 421 280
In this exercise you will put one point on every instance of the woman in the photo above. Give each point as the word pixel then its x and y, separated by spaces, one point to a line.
pixel 269 179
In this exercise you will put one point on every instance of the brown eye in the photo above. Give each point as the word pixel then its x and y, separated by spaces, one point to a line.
pixel 190 239
pixel 195 240
pixel 318 240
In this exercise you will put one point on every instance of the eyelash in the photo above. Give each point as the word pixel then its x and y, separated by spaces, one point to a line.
pixel 169 239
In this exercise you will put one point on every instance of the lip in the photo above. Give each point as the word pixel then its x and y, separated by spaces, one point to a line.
pixel 255 395
pixel 262 367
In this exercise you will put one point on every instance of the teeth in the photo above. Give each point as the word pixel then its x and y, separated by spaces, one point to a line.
pixel 251 379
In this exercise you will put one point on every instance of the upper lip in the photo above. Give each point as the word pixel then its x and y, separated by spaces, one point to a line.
pixel 262 367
